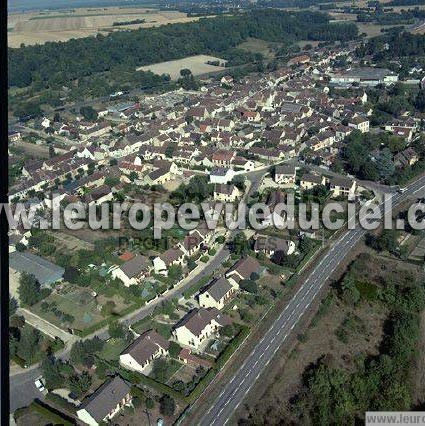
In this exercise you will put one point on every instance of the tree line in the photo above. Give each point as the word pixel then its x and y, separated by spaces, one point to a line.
pixel 121 51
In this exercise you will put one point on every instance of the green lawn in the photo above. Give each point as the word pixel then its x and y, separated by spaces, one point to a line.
pixel 196 287
pixel 113 348
pixel 80 306
pixel 169 368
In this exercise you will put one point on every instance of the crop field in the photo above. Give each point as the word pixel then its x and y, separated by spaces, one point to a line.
pixel 197 64
pixel 41 27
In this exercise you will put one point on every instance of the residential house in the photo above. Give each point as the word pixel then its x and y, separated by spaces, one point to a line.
pixel 309 181
pixel 106 402
pixel 285 175
pixel 275 248
pixel 244 164
pixel 223 158
pixel 242 270
pixel 99 195
pixel 341 186
pixel 403 132
pixel 171 257
pixel 132 271
pixel 191 244
pixel 359 123
pixel 221 175
pixel 198 325
pixel 146 348
pixel 217 293
pixel 407 157
pixel 226 193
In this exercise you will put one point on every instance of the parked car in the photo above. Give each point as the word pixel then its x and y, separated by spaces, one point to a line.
pixel 39 384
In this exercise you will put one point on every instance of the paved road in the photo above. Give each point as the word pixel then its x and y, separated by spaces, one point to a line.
pixel 46 327
pixel 236 389
pixel 22 388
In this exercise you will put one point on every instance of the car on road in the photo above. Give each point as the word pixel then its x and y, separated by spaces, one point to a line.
pixel 116 94
pixel 402 190
pixel 39 384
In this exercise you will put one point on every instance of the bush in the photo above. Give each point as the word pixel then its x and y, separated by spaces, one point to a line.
pixel 174 349
pixel 249 286
pixel 167 405
pixel 220 239
pixel 150 403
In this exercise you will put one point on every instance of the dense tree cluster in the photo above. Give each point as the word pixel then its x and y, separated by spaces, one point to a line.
pixel 197 190
pixel 128 49
pixel 370 156
pixel 394 45
pixel 332 395
pixel 30 291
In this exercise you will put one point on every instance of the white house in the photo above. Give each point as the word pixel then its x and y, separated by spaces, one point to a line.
pixel 217 293
pixel 226 193
pixel 342 186
pixel 106 402
pixel 359 123
pixel 221 175
pixel 131 272
pixel 285 175
pixel 146 348
pixel 173 256
pixel 198 325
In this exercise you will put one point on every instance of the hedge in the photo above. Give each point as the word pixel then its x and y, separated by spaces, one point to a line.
pixel 54 415
pixel 62 402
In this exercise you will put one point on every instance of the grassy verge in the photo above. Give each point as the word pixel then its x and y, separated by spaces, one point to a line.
pixel 196 287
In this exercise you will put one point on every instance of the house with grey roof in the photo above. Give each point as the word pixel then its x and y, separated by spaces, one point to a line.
pixel 217 293
pixel 226 193
pixel 309 181
pixel 45 272
pixel 274 247
pixel 199 325
pixel 133 271
pixel 221 175
pixel 172 257
pixel 243 269
pixel 285 175
pixel 342 186
pixel 106 402
pixel 146 348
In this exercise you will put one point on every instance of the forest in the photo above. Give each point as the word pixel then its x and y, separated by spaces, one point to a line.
pixel 333 395
pixel 394 45
pixel 55 62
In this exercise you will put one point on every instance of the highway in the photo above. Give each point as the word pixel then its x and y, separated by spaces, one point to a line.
pixel 257 361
